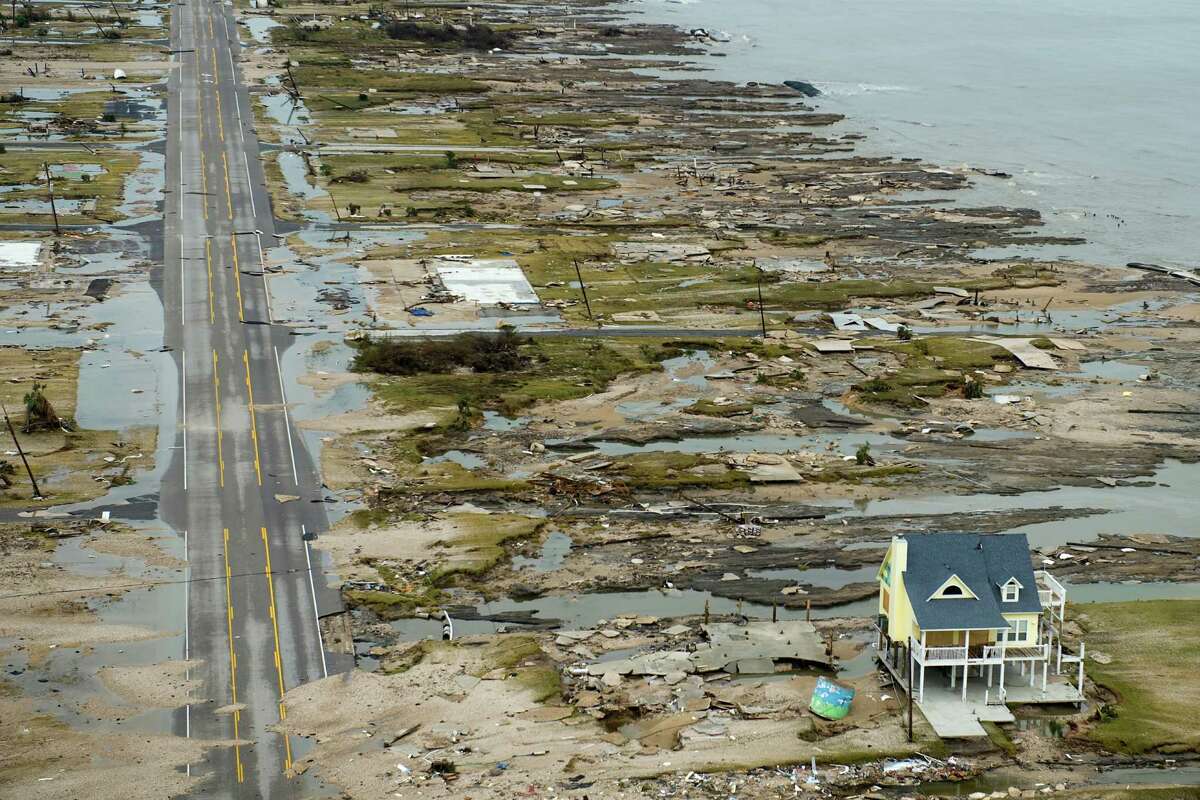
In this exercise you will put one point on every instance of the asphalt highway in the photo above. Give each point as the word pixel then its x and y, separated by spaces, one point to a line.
pixel 253 631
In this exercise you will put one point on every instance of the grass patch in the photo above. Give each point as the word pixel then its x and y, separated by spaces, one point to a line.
pixel 557 369
pixel 933 367
pixel 649 471
pixel 856 474
pixel 574 119
pixel 1155 647
pixel 506 652
pixel 999 738
pixel 335 75
pixel 453 478
pixel 24 168
pixel 393 605
pixel 64 461
pixel 480 545
pixel 543 683
pixel 708 408
pixel 453 180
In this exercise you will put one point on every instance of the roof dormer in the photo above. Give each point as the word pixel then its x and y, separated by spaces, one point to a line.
pixel 953 588
pixel 1010 591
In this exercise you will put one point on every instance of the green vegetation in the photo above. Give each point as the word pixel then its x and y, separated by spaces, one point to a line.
pixel 471 37
pixel 314 75
pixel 856 475
pixel 507 652
pixel 708 408
pixel 473 351
pixel 933 366
pixel 656 471
pixel 24 170
pixel 452 478
pixel 1155 647
pixel 573 119
pixel 453 180
pixel 999 738
pixel 556 369
pixel 393 605
pixel 478 547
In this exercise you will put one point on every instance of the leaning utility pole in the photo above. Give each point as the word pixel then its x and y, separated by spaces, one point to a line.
pixel 582 287
pixel 762 315
pixel 50 191
pixel 37 493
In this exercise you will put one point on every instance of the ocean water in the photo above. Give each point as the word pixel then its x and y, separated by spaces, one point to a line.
pixel 1093 107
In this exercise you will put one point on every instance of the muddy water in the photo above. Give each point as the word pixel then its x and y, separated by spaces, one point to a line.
pixel 260 28
pixel 1169 505
pixel 583 612
pixel 66 685
pixel 295 176
pixel 553 552
pixel 999 780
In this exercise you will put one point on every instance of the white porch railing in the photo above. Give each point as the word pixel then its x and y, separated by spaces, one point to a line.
pixel 931 656
pixel 987 654
pixel 1051 592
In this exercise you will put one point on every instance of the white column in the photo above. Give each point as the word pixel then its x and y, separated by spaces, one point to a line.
pixel 924 640
pixel 1045 669
pixel 966 667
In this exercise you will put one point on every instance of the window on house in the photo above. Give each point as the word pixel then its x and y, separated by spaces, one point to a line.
pixel 952 591
pixel 1018 631
pixel 1011 592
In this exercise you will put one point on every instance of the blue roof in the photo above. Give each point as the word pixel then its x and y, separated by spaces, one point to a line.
pixel 984 562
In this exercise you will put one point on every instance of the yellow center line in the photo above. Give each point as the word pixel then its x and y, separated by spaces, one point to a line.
pixel 287 744
pixel 228 193
pixel 237 715
pixel 237 276
pixel 220 117
pixel 203 183
pixel 210 27
pixel 212 311
pixel 220 435
pixel 253 422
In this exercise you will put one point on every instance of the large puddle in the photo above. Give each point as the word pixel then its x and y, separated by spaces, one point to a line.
pixel 1169 505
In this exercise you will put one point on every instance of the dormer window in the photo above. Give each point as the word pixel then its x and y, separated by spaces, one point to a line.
pixel 1011 591
pixel 953 589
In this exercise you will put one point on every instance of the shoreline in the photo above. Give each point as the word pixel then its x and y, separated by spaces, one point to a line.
pixel 594 168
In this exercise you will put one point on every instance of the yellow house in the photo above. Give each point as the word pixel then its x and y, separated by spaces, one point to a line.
pixel 963 600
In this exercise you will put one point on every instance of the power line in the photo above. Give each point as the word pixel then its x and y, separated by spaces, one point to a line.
pixel 145 584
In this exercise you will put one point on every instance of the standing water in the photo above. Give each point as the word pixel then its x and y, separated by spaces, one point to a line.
pixel 1091 106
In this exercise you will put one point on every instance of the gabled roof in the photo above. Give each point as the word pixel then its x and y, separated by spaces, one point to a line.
pixel 984 562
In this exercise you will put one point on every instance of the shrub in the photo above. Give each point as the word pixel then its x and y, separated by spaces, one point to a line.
pixel 862 456
pixel 354 176
pixel 473 351
pixel 972 389
pixel 472 37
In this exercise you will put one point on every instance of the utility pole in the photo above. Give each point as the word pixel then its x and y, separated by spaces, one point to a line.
pixel 37 493
pixel 582 287
pixel 908 669
pixel 762 315
pixel 50 191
